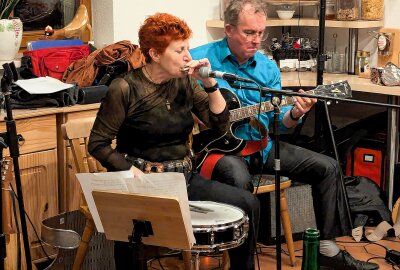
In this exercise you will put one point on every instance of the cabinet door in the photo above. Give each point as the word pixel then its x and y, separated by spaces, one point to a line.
pixel 40 193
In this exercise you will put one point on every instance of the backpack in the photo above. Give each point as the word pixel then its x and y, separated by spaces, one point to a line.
pixel 365 200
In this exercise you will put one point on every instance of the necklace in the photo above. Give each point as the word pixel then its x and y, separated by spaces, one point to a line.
pixel 167 103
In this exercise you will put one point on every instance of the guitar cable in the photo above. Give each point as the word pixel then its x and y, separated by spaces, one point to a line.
pixel 15 196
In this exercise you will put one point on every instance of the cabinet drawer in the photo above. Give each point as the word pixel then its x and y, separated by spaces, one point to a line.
pixel 38 133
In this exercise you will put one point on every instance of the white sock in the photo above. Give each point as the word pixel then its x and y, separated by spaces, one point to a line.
pixel 328 248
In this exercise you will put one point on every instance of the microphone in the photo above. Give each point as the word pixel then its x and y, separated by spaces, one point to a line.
pixel 206 72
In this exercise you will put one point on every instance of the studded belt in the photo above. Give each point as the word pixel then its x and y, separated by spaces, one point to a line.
pixel 182 165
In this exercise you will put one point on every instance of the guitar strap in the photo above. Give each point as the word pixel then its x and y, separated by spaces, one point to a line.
pixel 250 148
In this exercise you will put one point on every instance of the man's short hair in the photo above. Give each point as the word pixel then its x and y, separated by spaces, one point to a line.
pixel 234 7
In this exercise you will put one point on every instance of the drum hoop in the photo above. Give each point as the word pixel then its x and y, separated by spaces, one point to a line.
pixel 219 227
pixel 220 246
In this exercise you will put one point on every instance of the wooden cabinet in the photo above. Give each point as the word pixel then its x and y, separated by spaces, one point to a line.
pixel 46 169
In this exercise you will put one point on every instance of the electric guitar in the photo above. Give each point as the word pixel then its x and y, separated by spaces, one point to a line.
pixel 207 141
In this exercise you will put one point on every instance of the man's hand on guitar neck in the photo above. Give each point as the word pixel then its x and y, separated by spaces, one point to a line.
pixel 301 106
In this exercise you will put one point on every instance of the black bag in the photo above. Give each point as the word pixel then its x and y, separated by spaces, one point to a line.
pixel 92 94
pixel 365 199
pixel 108 72
pixel 21 99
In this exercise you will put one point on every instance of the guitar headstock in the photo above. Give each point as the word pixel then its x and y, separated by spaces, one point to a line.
pixel 338 90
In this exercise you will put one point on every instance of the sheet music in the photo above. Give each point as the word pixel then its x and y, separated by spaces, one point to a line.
pixel 169 184
pixel 43 85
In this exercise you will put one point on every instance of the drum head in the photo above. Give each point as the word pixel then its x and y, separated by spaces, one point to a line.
pixel 219 214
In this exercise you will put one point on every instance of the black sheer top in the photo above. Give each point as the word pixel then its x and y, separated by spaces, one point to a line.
pixel 150 121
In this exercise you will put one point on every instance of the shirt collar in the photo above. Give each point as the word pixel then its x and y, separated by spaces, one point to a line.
pixel 226 54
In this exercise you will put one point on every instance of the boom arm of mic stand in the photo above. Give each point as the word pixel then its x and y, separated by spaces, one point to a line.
pixel 267 91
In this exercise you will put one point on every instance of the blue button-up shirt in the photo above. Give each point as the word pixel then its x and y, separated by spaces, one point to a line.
pixel 258 68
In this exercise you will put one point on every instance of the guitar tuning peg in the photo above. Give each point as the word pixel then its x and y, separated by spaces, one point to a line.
pixel 329 102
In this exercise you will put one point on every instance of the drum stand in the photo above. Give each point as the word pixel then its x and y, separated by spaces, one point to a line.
pixel 195 261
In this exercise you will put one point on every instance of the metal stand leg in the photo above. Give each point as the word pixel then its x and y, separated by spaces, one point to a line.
pixel 195 261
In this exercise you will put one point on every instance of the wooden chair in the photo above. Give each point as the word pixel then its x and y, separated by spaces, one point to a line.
pixel 395 210
pixel 75 132
pixel 287 228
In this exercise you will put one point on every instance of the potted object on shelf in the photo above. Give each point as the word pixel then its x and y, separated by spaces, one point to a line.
pixel 285 12
pixel 10 31
pixel 347 10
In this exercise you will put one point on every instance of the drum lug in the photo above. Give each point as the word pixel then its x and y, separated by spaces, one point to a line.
pixel 237 232
pixel 212 238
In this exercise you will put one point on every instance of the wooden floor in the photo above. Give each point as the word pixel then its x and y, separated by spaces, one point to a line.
pixel 266 258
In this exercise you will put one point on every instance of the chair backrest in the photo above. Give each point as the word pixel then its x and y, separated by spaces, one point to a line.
pixel 77 132
pixel 395 211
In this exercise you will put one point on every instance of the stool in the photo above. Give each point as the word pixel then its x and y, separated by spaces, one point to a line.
pixel 267 184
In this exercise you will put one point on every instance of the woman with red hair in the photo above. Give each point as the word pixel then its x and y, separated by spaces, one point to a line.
pixel 149 112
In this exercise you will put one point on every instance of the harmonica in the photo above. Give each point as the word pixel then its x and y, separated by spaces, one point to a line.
pixel 184 69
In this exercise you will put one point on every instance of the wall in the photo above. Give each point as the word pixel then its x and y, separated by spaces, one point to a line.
pixel 392 11
pixel 115 20
pixel 121 19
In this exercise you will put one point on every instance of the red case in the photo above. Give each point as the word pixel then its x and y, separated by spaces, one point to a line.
pixel 367 160
pixel 54 61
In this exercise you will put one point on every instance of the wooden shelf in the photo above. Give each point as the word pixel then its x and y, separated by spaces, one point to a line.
pixel 309 79
pixel 308 22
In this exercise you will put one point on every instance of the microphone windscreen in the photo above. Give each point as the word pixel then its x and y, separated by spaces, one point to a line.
pixel 204 72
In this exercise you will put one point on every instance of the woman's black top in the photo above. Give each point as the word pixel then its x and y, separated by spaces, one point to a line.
pixel 150 121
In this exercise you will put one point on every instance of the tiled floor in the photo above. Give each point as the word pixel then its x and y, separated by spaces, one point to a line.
pixel 266 259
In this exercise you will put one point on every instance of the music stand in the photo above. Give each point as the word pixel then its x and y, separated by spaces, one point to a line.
pixel 141 219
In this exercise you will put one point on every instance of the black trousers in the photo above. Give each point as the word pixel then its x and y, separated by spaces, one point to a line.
pixel 322 173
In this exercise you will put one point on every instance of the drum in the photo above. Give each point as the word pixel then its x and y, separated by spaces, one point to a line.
pixel 217 226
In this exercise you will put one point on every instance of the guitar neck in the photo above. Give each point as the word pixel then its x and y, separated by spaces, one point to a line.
pixel 248 111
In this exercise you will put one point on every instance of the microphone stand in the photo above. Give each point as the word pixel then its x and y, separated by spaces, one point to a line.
pixel 10 75
pixel 328 124
pixel 3 247
pixel 274 100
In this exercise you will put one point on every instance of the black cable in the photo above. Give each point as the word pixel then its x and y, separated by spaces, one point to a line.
pixel 34 229
pixel 14 206
pixel 159 263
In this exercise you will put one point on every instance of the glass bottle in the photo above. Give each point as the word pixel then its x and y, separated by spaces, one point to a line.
pixel 357 62
pixel 365 69
pixel 310 249
pixel 347 10
pixel 372 9
pixel 330 12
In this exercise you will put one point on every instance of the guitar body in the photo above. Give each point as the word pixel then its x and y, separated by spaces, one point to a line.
pixel 208 141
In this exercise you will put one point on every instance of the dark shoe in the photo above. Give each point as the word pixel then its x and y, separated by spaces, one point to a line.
pixel 344 261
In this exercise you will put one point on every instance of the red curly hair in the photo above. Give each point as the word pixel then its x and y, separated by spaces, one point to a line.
pixel 159 30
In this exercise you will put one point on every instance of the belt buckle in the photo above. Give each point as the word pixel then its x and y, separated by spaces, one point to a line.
pixel 158 167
